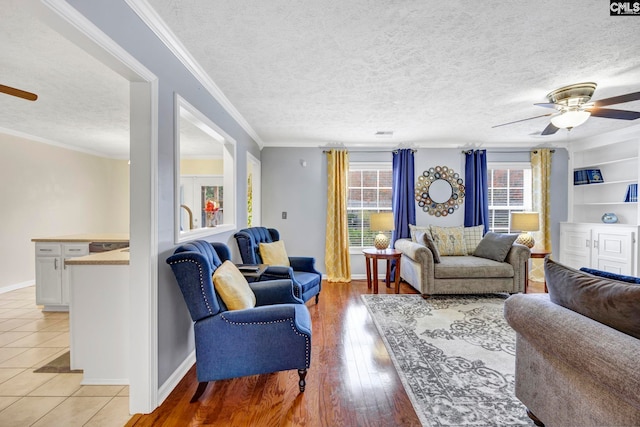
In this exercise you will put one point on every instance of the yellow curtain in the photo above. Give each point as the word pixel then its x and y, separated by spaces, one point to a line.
pixel 336 251
pixel 541 176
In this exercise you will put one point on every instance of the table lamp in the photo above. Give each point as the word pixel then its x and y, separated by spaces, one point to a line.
pixel 381 221
pixel 525 221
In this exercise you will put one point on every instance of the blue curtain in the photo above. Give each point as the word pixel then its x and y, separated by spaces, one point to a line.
pixel 402 199
pixel 476 209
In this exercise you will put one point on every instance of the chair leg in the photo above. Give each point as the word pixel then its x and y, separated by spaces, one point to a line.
pixel 317 297
pixel 302 383
pixel 202 386
pixel 535 419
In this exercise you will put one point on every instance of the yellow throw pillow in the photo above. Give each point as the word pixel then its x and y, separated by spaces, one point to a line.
pixel 449 240
pixel 232 287
pixel 274 253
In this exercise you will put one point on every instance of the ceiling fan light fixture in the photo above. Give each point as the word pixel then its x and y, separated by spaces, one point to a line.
pixel 570 119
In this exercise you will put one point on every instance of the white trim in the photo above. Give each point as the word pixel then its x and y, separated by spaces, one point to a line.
pixel 151 18
pixel 167 387
pixel 143 376
pixel 58 144
pixel 9 288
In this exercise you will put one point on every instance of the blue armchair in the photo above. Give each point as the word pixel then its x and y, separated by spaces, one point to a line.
pixel 306 279
pixel 273 336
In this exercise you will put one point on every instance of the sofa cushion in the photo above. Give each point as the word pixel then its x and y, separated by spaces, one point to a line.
pixel 471 267
pixel 233 288
pixel 609 275
pixel 613 303
pixel 274 253
pixel 495 246
pixel 472 237
pixel 425 239
pixel 449 240
pixel 414 229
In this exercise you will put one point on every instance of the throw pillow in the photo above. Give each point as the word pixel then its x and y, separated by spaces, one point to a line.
pixel 615 304
pixel 274 253
pixel 413 230
pixel 232 287
pixel 495 246
pixel 426 240
pixel 608 275
pixel 449 240
pixel 472 237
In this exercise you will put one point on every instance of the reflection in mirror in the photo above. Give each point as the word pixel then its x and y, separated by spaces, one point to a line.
pixel 440 191
pixel 204 175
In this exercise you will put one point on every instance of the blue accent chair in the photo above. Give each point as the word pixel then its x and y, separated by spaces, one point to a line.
pixel 273 336
pixel 307 280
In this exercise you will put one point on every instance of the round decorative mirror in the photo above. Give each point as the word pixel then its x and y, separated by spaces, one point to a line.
pixel 439 191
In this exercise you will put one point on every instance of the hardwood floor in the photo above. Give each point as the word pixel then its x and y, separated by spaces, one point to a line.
pixel 351 382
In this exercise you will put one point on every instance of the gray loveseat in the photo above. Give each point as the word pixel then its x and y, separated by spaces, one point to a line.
pixel 577 348
pixel 461 274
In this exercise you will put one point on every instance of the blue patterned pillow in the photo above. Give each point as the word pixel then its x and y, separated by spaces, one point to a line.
pixel 613 276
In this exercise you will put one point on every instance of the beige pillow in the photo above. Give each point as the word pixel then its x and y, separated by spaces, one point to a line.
pixel 414 230
pixel 232 287
pixel 472 237
pixel 449 240
pixel 274 253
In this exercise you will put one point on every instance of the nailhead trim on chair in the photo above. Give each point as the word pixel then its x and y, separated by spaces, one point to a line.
pixel 291 323
pixel 204 295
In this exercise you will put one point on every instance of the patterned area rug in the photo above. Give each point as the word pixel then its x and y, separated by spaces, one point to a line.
pixel 455 356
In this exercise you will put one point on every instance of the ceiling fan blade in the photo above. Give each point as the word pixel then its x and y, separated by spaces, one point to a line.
pixel 523 120
pixel 634 96
pixel 546 104
pixel 610 113
pixel 19 93
pixel 550 129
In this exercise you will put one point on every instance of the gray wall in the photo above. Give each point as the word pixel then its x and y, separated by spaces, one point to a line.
pixel 119 22
pixel 302 192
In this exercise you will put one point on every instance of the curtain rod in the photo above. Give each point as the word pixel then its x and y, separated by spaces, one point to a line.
pixel 372 151
pixel 508 152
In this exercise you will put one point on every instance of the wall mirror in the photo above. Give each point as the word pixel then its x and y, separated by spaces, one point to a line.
pixel 204 172
pixel 439 191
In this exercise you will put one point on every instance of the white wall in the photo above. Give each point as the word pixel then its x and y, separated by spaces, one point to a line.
pixel 49 191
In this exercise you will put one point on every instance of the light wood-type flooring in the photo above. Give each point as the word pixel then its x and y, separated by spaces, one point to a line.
pixel 351 382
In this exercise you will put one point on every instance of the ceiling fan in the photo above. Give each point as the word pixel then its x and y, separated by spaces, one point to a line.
pixel 19 93
pixel 574 106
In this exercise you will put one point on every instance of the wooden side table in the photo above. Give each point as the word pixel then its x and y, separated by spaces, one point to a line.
pixel 535 253
pixel 374 255
pixel 252 272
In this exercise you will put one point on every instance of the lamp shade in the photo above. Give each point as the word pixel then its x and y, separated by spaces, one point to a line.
pixel 570 119
pixel 382 221
pixel 525 221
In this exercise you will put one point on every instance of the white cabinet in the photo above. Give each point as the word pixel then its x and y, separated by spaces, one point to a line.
pixel 52 276
pixel 610 247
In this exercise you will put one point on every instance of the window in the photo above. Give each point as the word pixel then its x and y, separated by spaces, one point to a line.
pixel 509 191
pixel 369 191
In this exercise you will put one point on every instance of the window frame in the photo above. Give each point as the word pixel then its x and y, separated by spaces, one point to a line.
pixel 527 195
pixel 369 166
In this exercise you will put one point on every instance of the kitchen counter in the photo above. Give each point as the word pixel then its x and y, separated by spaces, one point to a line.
pixel 86 237
pixel 116 257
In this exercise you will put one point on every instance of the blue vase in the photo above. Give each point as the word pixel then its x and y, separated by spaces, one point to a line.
pixel 609 218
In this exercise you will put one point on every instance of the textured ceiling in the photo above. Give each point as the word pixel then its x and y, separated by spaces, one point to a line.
pixel 313 73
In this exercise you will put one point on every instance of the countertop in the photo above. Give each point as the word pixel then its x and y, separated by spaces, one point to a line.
pixel 88 237
pixel 116 257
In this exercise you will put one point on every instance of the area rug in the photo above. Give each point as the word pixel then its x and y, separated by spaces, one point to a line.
pixel 59 365
pixel 455 356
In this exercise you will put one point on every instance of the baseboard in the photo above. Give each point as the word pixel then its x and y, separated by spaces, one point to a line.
pixel 9 288
pixel 167 387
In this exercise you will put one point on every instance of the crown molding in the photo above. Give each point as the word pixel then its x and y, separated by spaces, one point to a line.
pixel 151 18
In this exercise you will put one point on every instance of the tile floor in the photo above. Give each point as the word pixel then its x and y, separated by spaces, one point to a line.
pixel 29 338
